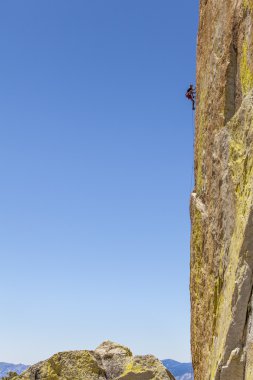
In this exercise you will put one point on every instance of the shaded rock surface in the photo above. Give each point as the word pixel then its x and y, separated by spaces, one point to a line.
pixel 108 362
pixel 222 201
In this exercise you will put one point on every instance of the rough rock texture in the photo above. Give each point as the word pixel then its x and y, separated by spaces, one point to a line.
pixel 222 201
pixel 109 361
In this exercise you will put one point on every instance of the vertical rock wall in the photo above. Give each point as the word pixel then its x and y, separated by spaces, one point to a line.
pixel 222 201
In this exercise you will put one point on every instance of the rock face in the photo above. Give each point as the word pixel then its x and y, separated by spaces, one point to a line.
pixel 108 362
pixel 222 201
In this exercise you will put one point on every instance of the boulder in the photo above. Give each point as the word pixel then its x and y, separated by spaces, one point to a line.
pixel 110 361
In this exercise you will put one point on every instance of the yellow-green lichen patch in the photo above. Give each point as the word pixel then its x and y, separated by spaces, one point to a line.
pixel 248 4
pixel 67 366
pixel 147 366
pixel 241 164
pixel 246 73
pixel 197 266
pixel 88 362
pixel 218 285
pixel 217 290
pixel 133 367
pixel 197 238
pixel 241 172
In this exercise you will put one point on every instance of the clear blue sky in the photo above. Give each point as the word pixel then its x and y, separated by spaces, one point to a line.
pixel 96 161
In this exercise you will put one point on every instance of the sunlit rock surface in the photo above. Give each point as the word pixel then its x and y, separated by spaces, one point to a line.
pixel 108 362
pixel 222 201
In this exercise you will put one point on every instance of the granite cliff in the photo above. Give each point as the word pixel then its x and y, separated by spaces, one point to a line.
pixel 222 200
pixel 108 362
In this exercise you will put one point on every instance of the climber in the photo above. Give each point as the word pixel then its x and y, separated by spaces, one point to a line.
pixel 190 94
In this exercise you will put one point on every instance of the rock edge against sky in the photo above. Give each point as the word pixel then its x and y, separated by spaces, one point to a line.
pixel 108 362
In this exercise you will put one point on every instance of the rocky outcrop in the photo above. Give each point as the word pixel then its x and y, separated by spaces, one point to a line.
pixel 222 201
pixel 110 361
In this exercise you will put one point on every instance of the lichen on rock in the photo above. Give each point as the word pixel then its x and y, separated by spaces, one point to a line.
pixel 222 201
pixel 110 361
